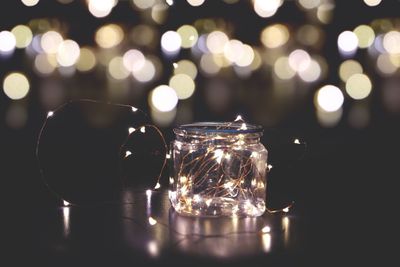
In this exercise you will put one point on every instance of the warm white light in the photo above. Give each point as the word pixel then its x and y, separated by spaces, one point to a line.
pixel 158 185
pixel 185 67
pixel 171 41
pixel 188 35
pixel 109 35
pixel 183 85
pixel 152 221
pixel 311 73
pixel 285 210
pixel 7 41
pixel 348 68
pixel 266 8
pixel 216 41
pixel 148 193
pixel 208 65
pixel 385 64
pixel 296 141
pixel 50 114
pixel 65 203
pixel 299 60
pixel 144 4
pixel 266 229
pixel 391 42
pixel 142 129
pixel 164 98
pixel 347 41
pixel 195 2
pixel 196 198
pixel 170 2
pixel 282 69
pixel 45 64
pixel 101 8
pixel 146 73
pixel 247 56
pixel 275 36
pixel 134 60
pixel 50 41
pixel 30 2
pixel 238 118
pixel 68 53
pixel 233 50
pixel 218 154
pixel 23 36
pixel 309 4
pixel 372 2
pixel 183 179
pixel 365 35
pixel 117 69
pixel 86 61
pixel 330 98
pixel 131 130
pixel 16 85
pixel 134 109
pixel 152 248
pixel 358 86
pixel 243 126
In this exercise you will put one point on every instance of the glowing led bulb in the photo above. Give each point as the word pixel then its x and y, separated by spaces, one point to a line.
pixel 152 221
pixel 50 113
pixel 65 203
pixel 296 141
pixel 243 127
pixel 196 198
pixel 171 41
pixel 134 109
pixel 128 153
pixel 347 41
pixel 131 130
pixel 183 179
pixel 239 118
pixel 30 3
pixel 329 98
pixel 285 210
pixel 7 41
pixel 142 129
pixel 158 185
pixel 218 154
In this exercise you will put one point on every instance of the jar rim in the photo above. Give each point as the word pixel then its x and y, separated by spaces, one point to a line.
pixel 236 127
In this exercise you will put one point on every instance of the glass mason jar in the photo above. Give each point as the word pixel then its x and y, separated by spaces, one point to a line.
pixel 219 169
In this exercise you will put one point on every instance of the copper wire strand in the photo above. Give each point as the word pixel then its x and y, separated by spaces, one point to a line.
pixel 197 160
pixel 198 177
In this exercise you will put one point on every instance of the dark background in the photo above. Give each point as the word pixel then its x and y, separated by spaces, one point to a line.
pixel 342 186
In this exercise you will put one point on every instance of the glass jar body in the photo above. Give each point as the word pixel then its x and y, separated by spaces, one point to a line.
pixel 220 175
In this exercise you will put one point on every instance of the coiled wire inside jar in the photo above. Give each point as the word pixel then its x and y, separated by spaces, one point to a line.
pixel 219 169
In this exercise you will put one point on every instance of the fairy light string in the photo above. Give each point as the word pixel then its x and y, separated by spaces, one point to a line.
pixel 210 161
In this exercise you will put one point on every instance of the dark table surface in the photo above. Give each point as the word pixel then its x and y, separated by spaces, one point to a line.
pixel 342 215
pixel 145 229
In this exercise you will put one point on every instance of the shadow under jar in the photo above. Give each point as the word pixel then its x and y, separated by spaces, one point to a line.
pixel 219 169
